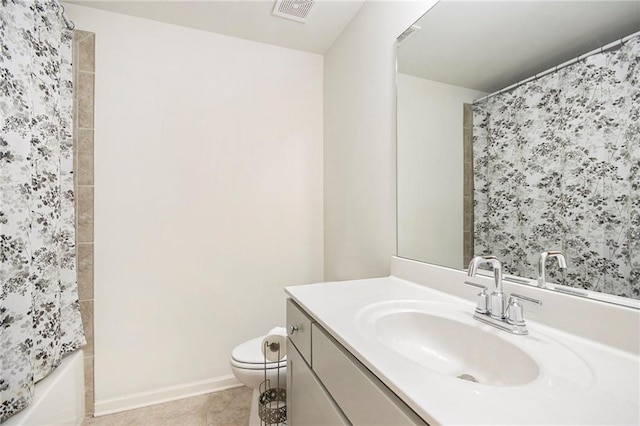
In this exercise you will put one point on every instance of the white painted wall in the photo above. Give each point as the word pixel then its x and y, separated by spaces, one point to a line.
pixel 359 141
pixel 208 196
pixel 430 169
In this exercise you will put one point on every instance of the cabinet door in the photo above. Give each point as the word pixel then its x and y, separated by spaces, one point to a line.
pixel 308 403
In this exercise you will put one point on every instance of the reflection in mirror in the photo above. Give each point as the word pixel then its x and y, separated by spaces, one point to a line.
pixel 549 162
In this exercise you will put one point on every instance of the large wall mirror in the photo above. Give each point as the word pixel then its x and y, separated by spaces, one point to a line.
pixel 519 133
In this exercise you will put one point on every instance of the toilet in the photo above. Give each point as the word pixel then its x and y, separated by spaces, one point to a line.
pixel 248 365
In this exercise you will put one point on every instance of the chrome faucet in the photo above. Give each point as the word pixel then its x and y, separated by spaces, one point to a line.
pixel 496 300
pixel 491 309
pixel 542 272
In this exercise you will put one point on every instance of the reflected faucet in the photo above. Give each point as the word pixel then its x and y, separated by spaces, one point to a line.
pixel 542 272
pixel 497 300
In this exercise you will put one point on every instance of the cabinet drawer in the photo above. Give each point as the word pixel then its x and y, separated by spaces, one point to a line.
pixel 299 329
pixel 363 398
pixel 308 403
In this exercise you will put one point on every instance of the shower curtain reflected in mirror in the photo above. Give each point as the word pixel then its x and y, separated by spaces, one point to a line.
pixel 557 167
pixel 39 309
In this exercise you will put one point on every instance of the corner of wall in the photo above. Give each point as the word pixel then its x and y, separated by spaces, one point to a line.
pixel 359 141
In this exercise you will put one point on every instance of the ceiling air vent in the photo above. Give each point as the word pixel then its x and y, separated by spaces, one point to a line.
pixel 296 10
pixel 408 33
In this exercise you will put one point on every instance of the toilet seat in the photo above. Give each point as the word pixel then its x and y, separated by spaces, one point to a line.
pixel 248 356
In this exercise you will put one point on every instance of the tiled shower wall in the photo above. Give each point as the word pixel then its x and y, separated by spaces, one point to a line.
pixel 83 101
pixel 467 140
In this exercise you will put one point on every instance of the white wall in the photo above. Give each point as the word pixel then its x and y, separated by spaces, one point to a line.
pixel 208 196
pixel 430 169
pixel 359 141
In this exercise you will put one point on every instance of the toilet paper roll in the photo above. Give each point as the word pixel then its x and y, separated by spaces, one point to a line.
pixel 274 340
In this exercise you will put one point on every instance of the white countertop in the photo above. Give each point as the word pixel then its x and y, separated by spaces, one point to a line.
pixel 580 382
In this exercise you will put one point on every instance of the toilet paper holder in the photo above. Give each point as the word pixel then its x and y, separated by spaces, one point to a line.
pixel 273 347
pixel 272 402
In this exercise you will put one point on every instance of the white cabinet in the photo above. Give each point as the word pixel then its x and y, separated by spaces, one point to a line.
pixel 329 386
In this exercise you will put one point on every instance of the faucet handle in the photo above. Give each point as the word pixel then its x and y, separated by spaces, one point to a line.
pixel 483 298
pixel 515 315
pixel 526 298
pixel 483 287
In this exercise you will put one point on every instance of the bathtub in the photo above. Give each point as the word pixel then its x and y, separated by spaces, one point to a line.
pixel 59 397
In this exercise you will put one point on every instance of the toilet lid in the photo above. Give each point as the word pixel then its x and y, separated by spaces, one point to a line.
pixel 250 353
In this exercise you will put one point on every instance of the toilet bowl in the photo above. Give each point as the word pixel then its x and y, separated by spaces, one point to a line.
pixel 248 365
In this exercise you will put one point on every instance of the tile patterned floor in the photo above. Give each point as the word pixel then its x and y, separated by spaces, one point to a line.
pixel 226 408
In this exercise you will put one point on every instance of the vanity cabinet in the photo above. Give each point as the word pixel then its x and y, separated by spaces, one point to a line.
pixel 329 386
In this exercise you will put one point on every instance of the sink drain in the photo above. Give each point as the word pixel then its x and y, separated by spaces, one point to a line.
pixel 468 377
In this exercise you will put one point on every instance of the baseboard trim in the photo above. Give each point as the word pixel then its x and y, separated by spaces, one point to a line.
pixel 166 394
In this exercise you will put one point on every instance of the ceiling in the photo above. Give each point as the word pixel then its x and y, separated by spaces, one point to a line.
pixel 247 19
pixel 489 45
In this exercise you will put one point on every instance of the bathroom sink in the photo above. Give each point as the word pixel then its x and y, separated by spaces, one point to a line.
pixel 444 340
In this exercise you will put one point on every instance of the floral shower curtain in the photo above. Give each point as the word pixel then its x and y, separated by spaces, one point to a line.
pixel 557 166
pixel 39 309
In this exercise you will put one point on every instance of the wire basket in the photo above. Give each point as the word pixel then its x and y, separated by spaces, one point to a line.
pixel 272 406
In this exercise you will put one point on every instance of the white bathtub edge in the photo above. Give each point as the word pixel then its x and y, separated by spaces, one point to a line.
pixel 59 397
pixel 162 395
